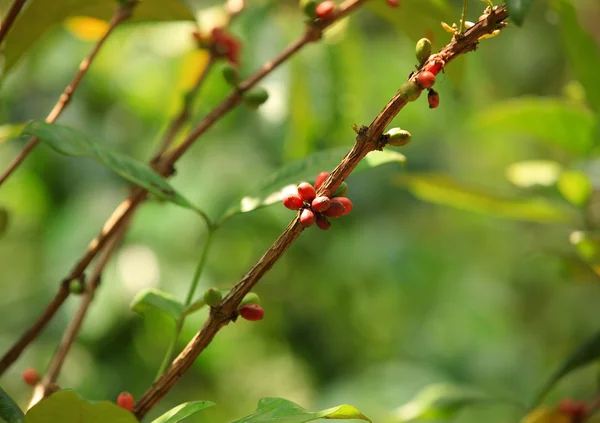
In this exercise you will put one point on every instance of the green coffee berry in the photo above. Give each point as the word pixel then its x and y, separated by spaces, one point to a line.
pixel 76 287
pixel 309 8
pixel 410 90
pixel 398 137
pixel 212 297
pixel 250 298
pixel 423 50
pixel 231 75
pixel 254 98
pixel 341 191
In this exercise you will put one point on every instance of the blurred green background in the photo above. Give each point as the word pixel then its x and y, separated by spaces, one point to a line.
pixel 401 293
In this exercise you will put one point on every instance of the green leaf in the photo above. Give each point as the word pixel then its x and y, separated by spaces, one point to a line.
pixel 530 173
pixel 284 181
pixel 68 407
pixel 575 187
pixel 278 410
pixel 70 142
pixel 517 9
pixel 38 17
pixel 159 300
pixel 582 50
pixel 587 353
pixel 183 411
pixel 550 120
pixel 440 402
pixel 442 189
pixel 9 410
pixel 3 221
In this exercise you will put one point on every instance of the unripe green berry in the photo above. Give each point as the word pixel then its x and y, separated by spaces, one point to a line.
pixel 255 97
pixel 423 50
pixel 231 75
pixel 76 287
pixel 341 191
pixel 212 297
pixel 309 8
pixel 398 137
pixel 250 298
pixel 410 90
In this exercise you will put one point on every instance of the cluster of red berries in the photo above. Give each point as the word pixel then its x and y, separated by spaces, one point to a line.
pixel 317 209
pixel 576 411
pixel 426 78
pixel 222 44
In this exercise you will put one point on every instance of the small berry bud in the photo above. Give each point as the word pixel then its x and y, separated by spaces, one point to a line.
pixel 320 204
pixel 307 217
pixel 293 202
pixel 398 137
pixel 341 191
pixel 231 75
pixel 393 3
pixel 76 287
pixel 426 79
pixel 31 376
pixel 410 90
pixel 251 312
pixel 213 297
pixel 433 98
pixel 250 298
pixel 435 67
pixel 346 202
pixel 125 400
pixel 320 179
pixel 255 97
pixel 325 10
pixel 309 8
pixel 423 50
pixel 335 210
pixel 322 222
pixel 306 192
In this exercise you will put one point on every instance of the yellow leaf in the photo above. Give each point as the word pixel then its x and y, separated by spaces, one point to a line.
pixel 545 415
pixel 87 29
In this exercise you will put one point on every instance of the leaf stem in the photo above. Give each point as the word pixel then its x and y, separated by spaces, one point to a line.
pixel 464 16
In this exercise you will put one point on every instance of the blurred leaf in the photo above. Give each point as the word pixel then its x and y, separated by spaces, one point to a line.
pixel 183 411
pixel 156 299
pixel 442 189
pixel 529 173
pixel 575 187
pixel 551 120
pixel 68 407
pixel 278 410
pixel 70 142
pixel 439 402
pixel 86 29
pixel 9 410
pixel 3 221
pixel 10 130
pixel 587 353
pixel 37 17
pixel 285 180
pixel 583 52
pixel 545 415
pixel 517 9
pixel 587 244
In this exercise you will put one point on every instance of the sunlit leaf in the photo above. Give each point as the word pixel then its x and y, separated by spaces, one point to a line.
pixel 9 410
pixel 588 352
pixel 529 173
pixel 70 142
pixel 183 411
pixel 37 17
pixel 575 187
pixel 545 415
pixel 285 180
pixel 159 300
pixel 278 410
pixel 442 189
pixel 587 245
pixel 517 9
pixel 67 406
pixel 550 120
pixel 87 29
pixel 439 402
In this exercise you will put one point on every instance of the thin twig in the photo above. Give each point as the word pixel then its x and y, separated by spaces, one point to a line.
pixel 120 15
pixel 367 140
pixel 10 18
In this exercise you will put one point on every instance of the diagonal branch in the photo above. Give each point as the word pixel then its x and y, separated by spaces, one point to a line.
pixel 121 14
pixel 368 139
pixel 12 14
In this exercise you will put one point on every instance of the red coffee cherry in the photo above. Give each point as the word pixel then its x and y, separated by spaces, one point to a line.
pixel 435 67
pixel 251 312
pixel 325 10
pixel 320 204
pixel 433 98
pixel 31 376
pixel 426 79
pixel 307 217
pixel 125 400
pixel 322 222
pixel 306 192
pixel 293 202
pixel 320 179
pixel 575 410
pixel 348 206
pixel 393 3
pixel 336 209
pixel 227 45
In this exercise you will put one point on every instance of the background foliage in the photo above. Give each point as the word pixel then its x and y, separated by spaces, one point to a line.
pixel 488 289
